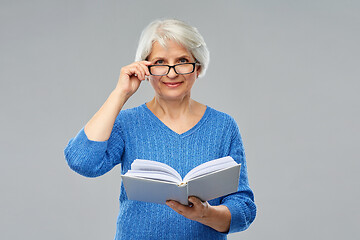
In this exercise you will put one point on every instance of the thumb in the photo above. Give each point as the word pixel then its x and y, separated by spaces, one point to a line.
pixel 194 200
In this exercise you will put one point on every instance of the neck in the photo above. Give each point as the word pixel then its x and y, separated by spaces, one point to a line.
pixel 171 109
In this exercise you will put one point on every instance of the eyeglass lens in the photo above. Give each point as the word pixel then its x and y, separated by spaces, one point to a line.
pixel 159 70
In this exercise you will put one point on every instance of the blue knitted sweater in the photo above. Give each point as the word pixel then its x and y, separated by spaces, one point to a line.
pixel 138 133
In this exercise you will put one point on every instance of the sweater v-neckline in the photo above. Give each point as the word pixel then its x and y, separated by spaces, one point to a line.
pixel 172 132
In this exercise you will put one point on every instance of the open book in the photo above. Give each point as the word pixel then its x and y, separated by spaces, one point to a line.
pixel 156 182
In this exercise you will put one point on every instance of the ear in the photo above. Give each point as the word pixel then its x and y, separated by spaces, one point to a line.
pixel 198 71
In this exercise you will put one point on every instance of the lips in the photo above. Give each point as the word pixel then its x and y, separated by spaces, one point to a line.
pixel 173 85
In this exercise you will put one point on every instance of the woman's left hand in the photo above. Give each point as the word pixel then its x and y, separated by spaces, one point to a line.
pixel 216 217
pixel 197 211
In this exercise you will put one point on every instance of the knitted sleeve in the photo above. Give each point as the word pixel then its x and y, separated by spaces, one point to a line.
pixel 241 203
pixel 94 158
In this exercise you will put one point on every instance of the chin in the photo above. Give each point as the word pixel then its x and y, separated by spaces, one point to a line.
pixel 173 97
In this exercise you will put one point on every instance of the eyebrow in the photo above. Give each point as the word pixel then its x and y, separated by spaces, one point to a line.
pixel 157 58
pixel 184 56
pixel 163 58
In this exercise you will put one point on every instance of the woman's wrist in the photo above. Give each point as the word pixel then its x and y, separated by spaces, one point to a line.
pixel 217 217
pixel 123 95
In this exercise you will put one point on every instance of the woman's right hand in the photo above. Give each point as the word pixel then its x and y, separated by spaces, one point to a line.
pixel 99 127
pixel 131 77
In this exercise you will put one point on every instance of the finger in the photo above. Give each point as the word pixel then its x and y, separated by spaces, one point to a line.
pixel 146 69
pixel 129 70
pixel 177 207
pixel 195 201
pixel 146 62
pixel 199 206
pixel 140 72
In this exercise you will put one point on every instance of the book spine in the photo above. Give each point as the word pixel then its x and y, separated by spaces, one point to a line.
pixel 184 192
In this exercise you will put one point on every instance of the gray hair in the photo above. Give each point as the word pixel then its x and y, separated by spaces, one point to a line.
pixel 171 29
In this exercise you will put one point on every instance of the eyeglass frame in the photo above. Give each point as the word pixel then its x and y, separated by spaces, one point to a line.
pixel 173 66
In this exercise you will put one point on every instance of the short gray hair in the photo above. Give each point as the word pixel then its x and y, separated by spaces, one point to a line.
pixel 172 29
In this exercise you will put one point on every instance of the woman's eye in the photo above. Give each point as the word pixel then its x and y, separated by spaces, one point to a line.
pixel 183 60
pixel 159 62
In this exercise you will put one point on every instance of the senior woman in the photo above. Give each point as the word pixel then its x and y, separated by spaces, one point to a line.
pixel 171 128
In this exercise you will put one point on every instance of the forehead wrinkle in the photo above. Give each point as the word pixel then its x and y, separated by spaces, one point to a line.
pixel 163 52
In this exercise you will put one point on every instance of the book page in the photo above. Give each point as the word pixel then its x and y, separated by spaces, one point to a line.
pixel 209 167
pixel 156 175
pixel 148 165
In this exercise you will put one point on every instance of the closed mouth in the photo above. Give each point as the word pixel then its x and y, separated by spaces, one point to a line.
pixel 172 84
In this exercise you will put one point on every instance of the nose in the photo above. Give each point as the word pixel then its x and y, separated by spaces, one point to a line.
pixel 172 73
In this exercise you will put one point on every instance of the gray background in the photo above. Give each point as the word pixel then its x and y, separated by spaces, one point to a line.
pixel 287 71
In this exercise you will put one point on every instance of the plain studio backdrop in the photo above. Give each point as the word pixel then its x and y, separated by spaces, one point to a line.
pixel 287 71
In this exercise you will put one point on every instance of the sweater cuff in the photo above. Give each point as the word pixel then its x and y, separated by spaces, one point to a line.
pixel 239 213
pixel 82 131
pixel 81 146
pixel 82 138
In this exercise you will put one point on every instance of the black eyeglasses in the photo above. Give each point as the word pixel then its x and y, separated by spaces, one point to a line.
pixel 181 68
